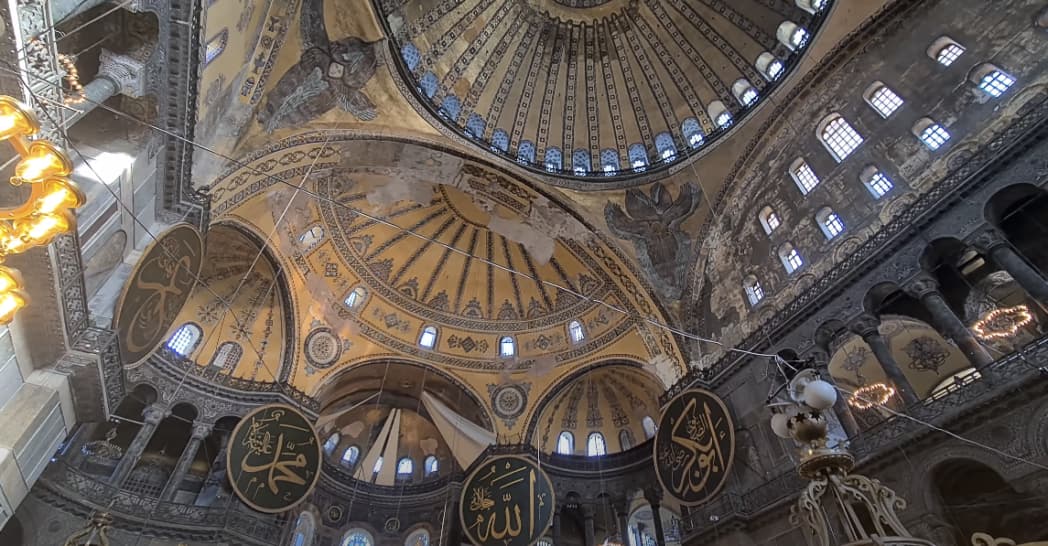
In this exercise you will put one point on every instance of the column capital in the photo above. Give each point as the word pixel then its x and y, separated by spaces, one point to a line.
pixel 154 413
pixel 128 71
pixel 921 286
pixel 865 325
pixel 653 495
pixel 201 430
pixel 986 239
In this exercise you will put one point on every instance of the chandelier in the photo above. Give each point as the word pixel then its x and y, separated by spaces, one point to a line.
pixel 871 396
pixel 1003 323
pixel 48 211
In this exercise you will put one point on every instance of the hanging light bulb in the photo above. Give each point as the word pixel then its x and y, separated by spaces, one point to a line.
pixel 41 160
pixel 41 229
pixel 59 194
pixel 11 301
pixel 16 119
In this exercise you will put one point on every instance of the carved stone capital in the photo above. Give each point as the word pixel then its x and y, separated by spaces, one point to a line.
pixel 922 285
pixel 201 430
pixel 865 325
pixel 155 413
pixel 986 239
pixel 653 495
pixel 128 71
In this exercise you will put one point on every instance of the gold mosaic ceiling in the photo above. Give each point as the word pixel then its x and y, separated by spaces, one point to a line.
pixel 584 88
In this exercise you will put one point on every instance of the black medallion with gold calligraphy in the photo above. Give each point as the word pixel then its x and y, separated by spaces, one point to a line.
pixel 273 459
pixel 694 446
pixel 507 501
pixel 155 293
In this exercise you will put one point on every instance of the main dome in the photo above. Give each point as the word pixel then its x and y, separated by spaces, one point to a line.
pixel 599 90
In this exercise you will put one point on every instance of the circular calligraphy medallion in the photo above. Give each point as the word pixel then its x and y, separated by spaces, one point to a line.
pixel 509 401
pixel 694 447
pixel 322 348
pixel 273 458
pixel 506 501
pixel 153 296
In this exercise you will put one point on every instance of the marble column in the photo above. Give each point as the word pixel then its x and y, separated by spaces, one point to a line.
pixel 556 525
pixel 215 488
pixel 622 514
pixel 990 242
pixel 200 431
pixel 654 498
pixel 926 289
pixel 151 417
pixel 866 327
pixel 840 407
pixel 587 519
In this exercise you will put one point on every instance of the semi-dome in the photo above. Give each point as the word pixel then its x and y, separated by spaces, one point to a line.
pixel 596 89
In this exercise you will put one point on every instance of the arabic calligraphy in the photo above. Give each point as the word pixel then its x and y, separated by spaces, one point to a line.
pixel 694 446
pixel 273 458
pixel 507 501
pixel 160 286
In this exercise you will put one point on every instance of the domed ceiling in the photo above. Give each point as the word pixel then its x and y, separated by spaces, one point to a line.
pixel 591 88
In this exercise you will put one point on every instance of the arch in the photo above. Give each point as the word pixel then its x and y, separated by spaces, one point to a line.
pixel 625 439
pixel 932 134
pixel 882 99
pixel 609 161
pixel 507 346
pixel 186 339
pixel 418 537
pixel 215 46
pixel 665 146
pixel 964 486
pixel 500 141
pixel 769 66
pixel 312 236
pixel 428 84
pixel 305 529
pixel 475 125
pixel 754 290
pixel 526 152
pixel 744 92
pixel 838 136
pixel 691 129
pixel 580 162
pixel 829 222
pixel 991 80
pixel 945 50
pixel 405 468
pixel 803 176
pixel 575 332
pixel 357 537
pixel 812 6
pixel 638 156
pixel 566 443
pixel 595 445
pixel 720 114
pixel 227 356
pixel 790 257
pixel 331 443
pixel 411 56
pixel 1018 211
pixel 769 220
pixel 650 428
pixel 428 338
pixel 450 107
pixel 355 298
pixel 792 35
pixel 554 159
pixel 430 466
pixel 876 182
pixel 350 456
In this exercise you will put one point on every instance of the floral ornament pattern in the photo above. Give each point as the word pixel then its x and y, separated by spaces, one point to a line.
pixel 926 354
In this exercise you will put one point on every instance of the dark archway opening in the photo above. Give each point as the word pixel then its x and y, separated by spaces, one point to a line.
pixel 978 500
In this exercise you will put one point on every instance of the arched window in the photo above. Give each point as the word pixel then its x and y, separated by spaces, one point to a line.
pixel 664 146
pixel 933 135
pixel 876 182
pixel 357 537
pixel 575 331
pixel 419 537
pixel 692 131
pixel 829 222
pixel 185 340
pixel 580 162
pixel 450 107
pixel 791 259
pixel 525 152
pixel 311 236
pixel 565 443
pixel 378 466
pixel 355 297
pixel 405 467
pixel 625 439
pixel 430 466
pixel 649 427
pixel 428 84
pixel 882 99
pixel 803 176
pixel 500 141
pixel 227 356
pixel 792 36
pixel 305 528
pixel 754 290
pixel 720 114
pixel 215 46
pixel 349 456
pixel 744 92
pixel 428 338
pixel 595 446
pixel 475 125
pixel 812 6
pixel 507 347
pixel 609 161
pixel 769 220
pixel 945 51
pixel 554 160
pixel 638 156
pixel 839 137
pixel 331 443
pixel 769 66
pixel 992 80
pixel 411 56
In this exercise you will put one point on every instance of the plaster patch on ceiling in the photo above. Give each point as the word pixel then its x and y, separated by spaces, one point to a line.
pixel 401 188
pixel 540 245
pixel 666 369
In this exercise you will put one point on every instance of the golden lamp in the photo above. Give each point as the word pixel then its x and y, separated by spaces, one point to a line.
pixel 49 210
